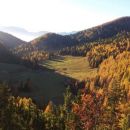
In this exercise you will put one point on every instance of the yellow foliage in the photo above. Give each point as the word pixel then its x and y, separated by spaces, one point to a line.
pixel 49 108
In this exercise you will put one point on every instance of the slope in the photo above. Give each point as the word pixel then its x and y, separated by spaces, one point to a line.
pixel 6 56
pixel 52 42
pixel 10 41
pixel 105 30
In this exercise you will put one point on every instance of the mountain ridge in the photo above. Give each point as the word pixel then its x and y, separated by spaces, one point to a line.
pixel 52 41
pixel 105 30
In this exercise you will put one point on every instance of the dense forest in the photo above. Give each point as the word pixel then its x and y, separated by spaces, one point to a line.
pixel 30 53
pixel 102 51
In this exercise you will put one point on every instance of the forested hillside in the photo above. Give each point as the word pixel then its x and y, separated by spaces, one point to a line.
pixel 103 31
pixel 109 48
pixel 30 52
pixel 83 49
pixel 52 42
pixel 6 56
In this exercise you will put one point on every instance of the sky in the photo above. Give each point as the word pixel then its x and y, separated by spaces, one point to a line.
pixel 60 15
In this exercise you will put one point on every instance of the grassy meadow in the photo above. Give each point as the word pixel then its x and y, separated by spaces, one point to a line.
pixel 70 66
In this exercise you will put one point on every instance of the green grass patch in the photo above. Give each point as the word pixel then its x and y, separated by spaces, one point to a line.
pixel 74 67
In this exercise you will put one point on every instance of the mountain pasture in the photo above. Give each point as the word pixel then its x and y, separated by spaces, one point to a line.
pixel 70 66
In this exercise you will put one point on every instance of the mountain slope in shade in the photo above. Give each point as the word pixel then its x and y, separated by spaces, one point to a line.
pixel 6 56
pixel 10 41
pixel 52 42
pixel 106 30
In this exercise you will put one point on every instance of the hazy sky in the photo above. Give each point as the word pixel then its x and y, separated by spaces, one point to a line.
pixel 60 15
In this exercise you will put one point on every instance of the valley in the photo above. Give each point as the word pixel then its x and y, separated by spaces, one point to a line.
pixel 74 67
pixel 55 74
pixel 79 81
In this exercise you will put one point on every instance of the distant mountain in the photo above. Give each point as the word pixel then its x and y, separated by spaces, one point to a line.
pixel 10 41
pixel 52 42
pixel 103 31
pixel 22 33
pixel 26 35
pixel 66 33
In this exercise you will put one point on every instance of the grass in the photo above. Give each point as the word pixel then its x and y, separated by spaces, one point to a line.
pixel 47 84
pixel 74 67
